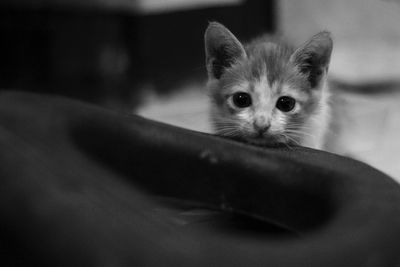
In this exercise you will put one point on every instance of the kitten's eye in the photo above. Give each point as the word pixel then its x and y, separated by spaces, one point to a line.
pixel 285 103
pixel 241 100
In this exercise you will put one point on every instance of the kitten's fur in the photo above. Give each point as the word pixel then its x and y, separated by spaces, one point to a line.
pixel 266 71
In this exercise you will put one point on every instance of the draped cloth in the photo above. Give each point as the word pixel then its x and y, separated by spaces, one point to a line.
pixel 86 186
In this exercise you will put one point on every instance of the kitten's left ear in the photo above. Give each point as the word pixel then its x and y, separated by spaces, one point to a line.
pixel 222 49
pixel 313 57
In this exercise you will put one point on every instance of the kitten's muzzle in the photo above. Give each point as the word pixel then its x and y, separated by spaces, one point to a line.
pixel 261 128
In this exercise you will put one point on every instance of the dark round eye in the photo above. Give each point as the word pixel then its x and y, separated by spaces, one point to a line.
pixel 241 100
pixel 285 103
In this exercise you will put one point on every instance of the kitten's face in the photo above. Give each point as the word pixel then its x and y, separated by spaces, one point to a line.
pixel 260 113
pixel 264 93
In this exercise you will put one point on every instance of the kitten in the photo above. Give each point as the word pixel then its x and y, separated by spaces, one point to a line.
pixel 266 93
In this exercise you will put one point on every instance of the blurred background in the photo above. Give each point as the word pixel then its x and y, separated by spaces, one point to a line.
pixel 147 57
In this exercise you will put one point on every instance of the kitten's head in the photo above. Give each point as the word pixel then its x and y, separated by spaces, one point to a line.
pixel 265 93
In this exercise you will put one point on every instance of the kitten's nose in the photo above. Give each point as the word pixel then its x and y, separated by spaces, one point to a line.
pixel 261 128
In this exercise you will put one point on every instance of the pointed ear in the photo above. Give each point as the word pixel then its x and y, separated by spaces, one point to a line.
pixel 313 57
pixel 222 49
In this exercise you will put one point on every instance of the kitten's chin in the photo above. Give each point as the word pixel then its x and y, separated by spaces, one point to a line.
pixel 268 141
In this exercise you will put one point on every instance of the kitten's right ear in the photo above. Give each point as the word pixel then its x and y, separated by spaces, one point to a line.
pixel 222 49
pixel 313 57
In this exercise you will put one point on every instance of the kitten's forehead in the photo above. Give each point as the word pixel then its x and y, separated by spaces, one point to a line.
pixel 268 59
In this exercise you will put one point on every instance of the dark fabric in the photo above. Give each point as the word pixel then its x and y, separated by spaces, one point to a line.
pixel 85 186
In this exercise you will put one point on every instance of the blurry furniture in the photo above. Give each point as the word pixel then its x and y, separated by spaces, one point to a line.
pixel 99 50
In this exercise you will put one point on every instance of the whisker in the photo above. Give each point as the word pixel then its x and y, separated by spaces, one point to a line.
pixel 293 140
pixel 299 133
pixel 228 131
pixel 286 143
